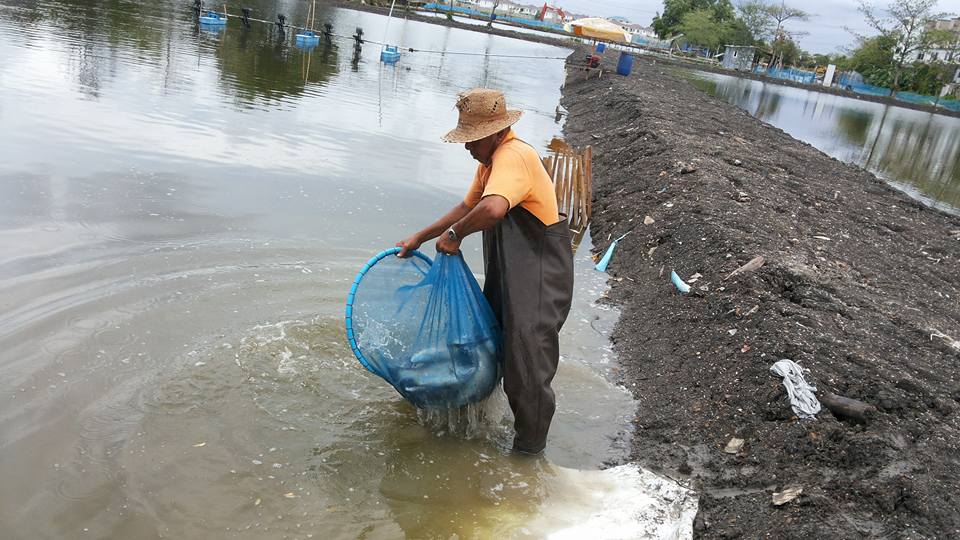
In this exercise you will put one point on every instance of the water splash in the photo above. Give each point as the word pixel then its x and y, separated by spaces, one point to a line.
pixel 472 421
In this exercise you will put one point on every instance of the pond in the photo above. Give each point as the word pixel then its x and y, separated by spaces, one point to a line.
pixel 917 152
pixel 181 214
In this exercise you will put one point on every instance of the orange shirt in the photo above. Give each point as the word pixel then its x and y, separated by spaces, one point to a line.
pixel 516 174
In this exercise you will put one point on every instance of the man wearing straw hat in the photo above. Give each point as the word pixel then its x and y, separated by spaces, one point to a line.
pixel 527 255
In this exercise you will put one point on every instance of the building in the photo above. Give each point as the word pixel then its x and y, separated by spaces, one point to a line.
pixel 738 57
pixel 484 6
pixel 519 10
pixel 940 52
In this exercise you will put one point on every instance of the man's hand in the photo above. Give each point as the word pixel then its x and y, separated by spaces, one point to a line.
pixel 408 245
pixel 446 245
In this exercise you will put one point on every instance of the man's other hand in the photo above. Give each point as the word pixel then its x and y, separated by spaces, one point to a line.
pixel 408 245
pixel 446 245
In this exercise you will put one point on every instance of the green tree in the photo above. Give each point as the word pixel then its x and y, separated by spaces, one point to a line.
pixel 756 17
pixel 673 12
pixel 700 28
pixel 906 24
pixel 669 22
pixel 781 13
pixel 873 59
pixel 738 33
pixel 723 11
pixel 767 21
pixel 786 52
pixel 783 44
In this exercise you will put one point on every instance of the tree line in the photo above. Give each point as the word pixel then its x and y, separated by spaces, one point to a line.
pixel 885 58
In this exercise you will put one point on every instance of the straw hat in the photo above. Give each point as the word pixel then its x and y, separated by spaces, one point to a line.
pixel 483 112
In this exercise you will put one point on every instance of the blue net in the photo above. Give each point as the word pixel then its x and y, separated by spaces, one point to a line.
pixel 788 74
pixel 425 328
pixel 856 84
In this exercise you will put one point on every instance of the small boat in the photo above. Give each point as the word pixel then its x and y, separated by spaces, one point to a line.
pixel 389 54
pixel 308 38
pixel 213 18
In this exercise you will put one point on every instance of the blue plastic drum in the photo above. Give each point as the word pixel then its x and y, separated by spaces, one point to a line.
pixel 625 64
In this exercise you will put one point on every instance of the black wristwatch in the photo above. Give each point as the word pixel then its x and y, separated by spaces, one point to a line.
pixel 452 234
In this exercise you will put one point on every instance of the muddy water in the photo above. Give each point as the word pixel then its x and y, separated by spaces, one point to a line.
pixel 181 213
pixel 917 152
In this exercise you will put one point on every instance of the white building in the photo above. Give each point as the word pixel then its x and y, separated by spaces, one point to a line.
pixel 940 52
pixel 639 29
pixel 517 10
pixel 479 5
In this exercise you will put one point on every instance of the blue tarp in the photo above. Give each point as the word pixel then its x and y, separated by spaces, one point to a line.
pixel 856 84
pixel 788 74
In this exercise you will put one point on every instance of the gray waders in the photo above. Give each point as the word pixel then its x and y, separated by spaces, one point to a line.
pixel 529 284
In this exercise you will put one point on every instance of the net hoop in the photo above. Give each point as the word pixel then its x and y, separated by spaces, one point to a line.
pixel 348 316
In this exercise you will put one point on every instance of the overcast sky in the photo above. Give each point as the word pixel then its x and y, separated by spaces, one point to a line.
pixel 825 29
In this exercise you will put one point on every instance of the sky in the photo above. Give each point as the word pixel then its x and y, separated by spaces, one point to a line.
pixel 825 31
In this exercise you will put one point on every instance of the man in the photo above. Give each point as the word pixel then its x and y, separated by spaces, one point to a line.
pixel 527 255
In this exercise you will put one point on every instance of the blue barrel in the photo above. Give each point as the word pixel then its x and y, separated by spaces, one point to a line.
pixel 601 47
pixel 625 64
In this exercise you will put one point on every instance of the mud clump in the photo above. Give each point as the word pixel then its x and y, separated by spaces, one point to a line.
pixel 859 284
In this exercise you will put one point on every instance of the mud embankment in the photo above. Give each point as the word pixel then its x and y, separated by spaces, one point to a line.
pixel 861 285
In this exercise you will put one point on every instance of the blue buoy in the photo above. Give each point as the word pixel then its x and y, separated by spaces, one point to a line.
pixel 308 38
pixel 213 18
pixel 625 64
pixel 389 55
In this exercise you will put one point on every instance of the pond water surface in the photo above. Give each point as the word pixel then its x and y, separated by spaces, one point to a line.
pixel 181 214
pixel 917 152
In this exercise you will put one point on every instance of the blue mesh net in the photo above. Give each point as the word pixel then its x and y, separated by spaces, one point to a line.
pixel 425 328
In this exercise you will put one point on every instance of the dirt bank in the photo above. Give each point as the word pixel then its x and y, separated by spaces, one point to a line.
pixel 861 286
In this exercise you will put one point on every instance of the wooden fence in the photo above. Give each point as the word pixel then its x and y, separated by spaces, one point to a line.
pixel 570 169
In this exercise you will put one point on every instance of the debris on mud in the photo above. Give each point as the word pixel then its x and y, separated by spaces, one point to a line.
pixel 857 283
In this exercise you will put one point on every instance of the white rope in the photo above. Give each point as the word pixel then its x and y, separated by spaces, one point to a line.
pixel 802 400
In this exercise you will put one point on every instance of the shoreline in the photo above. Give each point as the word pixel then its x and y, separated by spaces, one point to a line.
pixel 859 286
pixel 414 15
pixel 886 100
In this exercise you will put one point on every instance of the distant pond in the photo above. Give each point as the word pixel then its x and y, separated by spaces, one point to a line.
pixel 917 152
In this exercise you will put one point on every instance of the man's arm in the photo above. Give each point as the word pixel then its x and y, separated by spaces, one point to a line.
pixel 484 215
pixel 435 229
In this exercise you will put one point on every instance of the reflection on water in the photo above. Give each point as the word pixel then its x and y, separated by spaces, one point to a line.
pixel 917 152
pixel 181 215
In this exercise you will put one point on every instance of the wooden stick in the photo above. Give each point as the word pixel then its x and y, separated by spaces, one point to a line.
pixel 577 193
pixel 588 154
pixel 558 176
pixel 846 407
